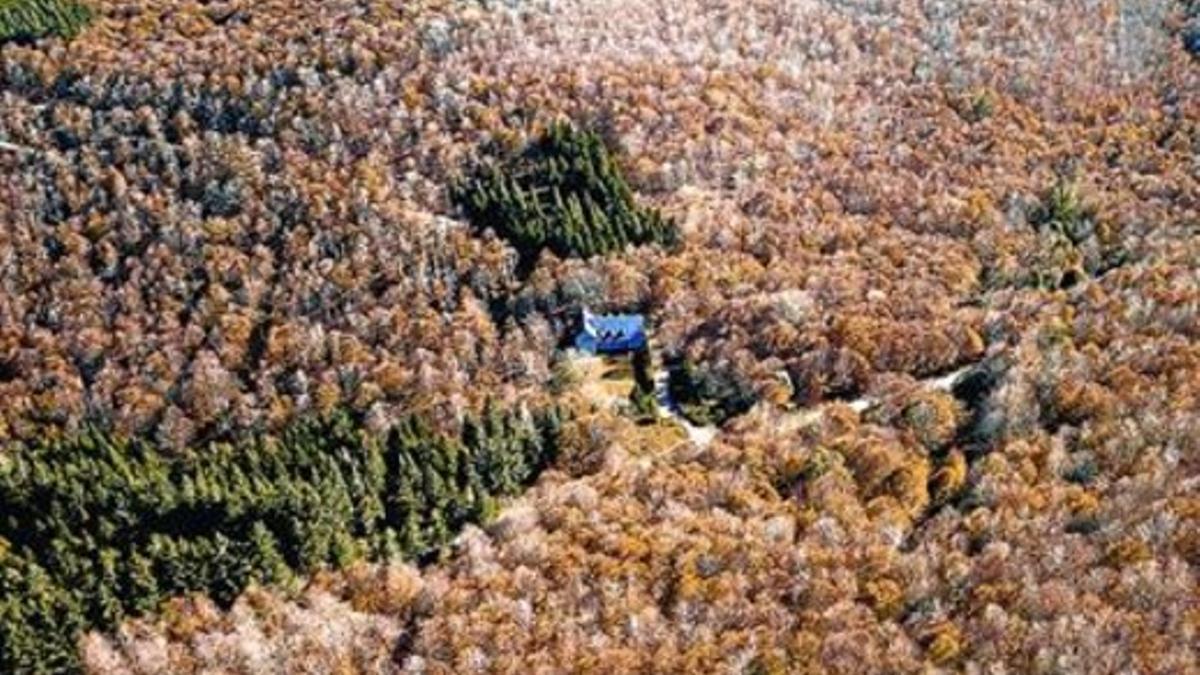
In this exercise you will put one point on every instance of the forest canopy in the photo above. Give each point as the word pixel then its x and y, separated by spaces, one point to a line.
pixel 30 19
pixel 564 192
pixel 927 280
pixel 96 529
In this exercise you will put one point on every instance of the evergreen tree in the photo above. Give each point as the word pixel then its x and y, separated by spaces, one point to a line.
pixel 564 193
pixel 140 587
pixel 39 618
pixel 642 362
pixel 31 19
pixel 96 528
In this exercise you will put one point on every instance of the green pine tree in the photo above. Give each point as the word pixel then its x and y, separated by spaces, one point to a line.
pixel 31 19
pixel 564 192
pixel 94 529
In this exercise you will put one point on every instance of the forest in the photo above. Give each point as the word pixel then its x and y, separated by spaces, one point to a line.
pixel 287 291
pixel 523 200
pixel 98 528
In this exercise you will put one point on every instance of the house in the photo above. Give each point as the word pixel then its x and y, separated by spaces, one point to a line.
pixel 611 333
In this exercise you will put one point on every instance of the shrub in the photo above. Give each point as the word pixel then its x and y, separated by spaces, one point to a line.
pixel 1074 243
pixel 642 365
pixel 98 528
pixel 707 396
pixel 563 192
pixel 32 19
pixel 1083 472
pixel 643 405
pixel 564 376
pixel 975 107
pixel 1064 212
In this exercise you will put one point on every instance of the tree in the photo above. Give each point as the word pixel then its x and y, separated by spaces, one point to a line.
pixel 642 397
pixel 97 528
pixel 564 193
pixel 31 19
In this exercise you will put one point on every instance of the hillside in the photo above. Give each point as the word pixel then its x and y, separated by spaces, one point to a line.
pixel 290 285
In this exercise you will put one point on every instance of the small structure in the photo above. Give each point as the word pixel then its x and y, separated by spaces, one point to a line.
pixel 611 333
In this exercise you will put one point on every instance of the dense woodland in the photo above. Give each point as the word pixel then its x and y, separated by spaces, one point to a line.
pixel 234 230
pixel 99 528
pixel 32 19
pixel 564 192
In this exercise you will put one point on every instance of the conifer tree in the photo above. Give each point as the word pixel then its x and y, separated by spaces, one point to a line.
pixel 31 19
pixel 96 528
pixel 564 193
pixel 141 584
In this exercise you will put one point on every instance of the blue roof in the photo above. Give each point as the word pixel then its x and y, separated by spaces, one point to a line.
pixel 611 332
pixel 628 324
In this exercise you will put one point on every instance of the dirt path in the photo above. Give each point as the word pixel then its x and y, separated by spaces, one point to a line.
pixel 805 416
pixel 600 387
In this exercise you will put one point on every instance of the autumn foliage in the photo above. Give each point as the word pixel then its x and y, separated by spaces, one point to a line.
pixel 931 276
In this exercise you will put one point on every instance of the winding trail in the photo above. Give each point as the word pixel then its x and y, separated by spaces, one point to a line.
pixel 668 407
pixel 790 421
pixel 806 416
